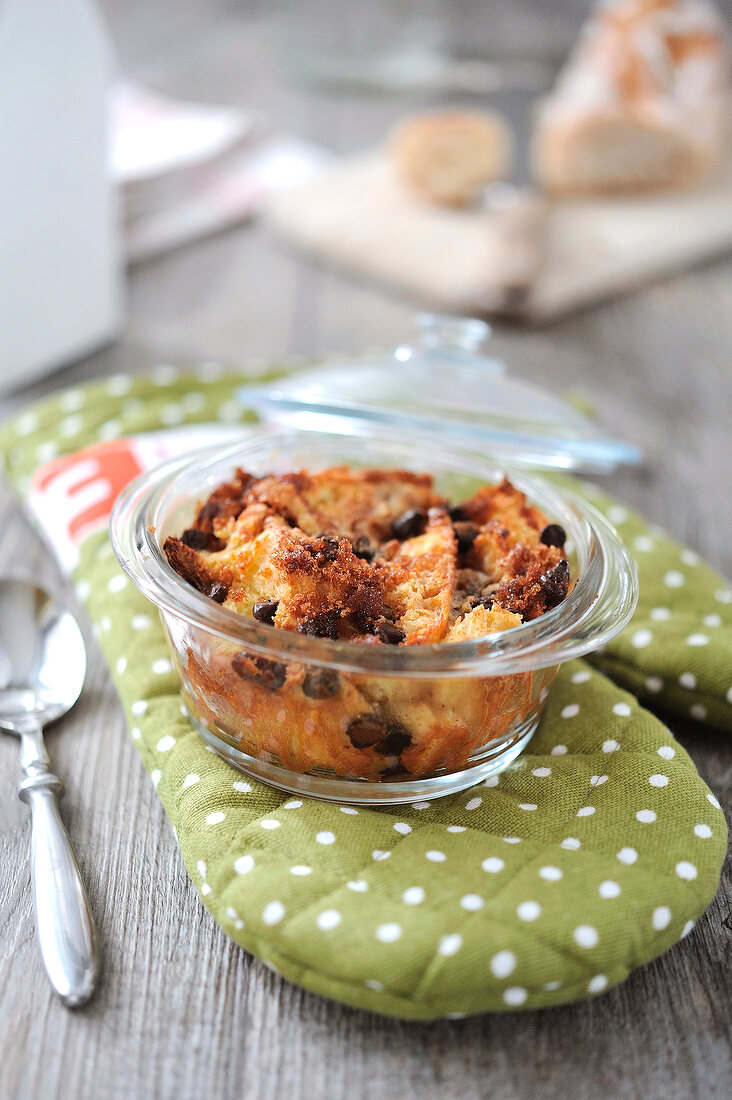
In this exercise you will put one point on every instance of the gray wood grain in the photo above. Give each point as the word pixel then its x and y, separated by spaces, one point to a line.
pixel 180 1011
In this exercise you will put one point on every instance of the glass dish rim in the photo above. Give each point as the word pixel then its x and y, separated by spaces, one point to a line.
pixel 601 602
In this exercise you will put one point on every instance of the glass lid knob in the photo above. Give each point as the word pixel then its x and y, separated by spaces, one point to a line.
pixel 440 330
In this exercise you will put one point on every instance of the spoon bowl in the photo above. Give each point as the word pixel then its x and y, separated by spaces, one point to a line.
pixel 42 656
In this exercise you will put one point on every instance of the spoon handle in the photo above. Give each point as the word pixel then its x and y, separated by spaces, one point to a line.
pixel 63 919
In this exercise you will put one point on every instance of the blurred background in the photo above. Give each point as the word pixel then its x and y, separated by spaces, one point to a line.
pixel 304 83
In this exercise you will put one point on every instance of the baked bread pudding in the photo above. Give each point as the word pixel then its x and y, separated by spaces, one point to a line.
pixel 369 557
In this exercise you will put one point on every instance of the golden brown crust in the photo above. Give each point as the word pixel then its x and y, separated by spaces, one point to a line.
pixel 370 555
pixel 506 508
pixel 332 593
pixel 187 563
pixel 534 581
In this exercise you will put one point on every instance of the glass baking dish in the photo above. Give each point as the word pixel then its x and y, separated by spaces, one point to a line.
pixel 354 723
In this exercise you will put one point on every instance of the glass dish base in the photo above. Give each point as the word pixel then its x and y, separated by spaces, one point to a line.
pixel 491 760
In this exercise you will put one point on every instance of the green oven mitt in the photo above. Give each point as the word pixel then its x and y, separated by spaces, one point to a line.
pixel 676 654
pixel 595 852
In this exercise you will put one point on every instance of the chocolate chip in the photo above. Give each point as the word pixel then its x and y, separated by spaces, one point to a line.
pixel 223 509
pixel 457 513
pixel 208 513
pixel 265 611
pixel 324 548
pixel 553 535
pixel 217 592
pixel 466 534
pixel 394 771
pixel 268 674
pixel 322 625
pixel 195 538
pixel 555 583
pixel 389 633
pixel 330 548
pixel 367 730
pixel 482 601
pixel 321 683
pixel 362 620
pixel 396 740
pixel 409 524
pixel 362 548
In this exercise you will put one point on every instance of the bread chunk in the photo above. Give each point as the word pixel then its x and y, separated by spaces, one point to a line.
pixel 449 157
pixel 422 599
pixel 479 622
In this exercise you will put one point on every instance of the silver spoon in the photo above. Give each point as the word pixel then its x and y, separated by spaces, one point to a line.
pixel 42 669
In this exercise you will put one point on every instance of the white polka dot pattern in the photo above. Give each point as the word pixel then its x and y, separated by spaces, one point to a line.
pixel 586 936
pixel 627 856
pixel 328 919
pixel 273 912
pixel 661 918
pixel 503 964
pixel 515 996
pixel 389 932
pixel 451 944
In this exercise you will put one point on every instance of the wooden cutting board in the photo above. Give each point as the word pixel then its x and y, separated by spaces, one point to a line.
pixel 531 261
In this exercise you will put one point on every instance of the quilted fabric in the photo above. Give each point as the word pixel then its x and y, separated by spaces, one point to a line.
pixel 677 652
pixel 596 851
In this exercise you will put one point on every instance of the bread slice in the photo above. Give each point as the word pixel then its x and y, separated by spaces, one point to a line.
pixel 448 157
pixel 642 104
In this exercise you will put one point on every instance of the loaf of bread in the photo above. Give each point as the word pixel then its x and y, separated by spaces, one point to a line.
pixel 642 104
pixel 449 157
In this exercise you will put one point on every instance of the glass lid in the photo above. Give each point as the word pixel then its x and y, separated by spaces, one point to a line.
pixel 443 386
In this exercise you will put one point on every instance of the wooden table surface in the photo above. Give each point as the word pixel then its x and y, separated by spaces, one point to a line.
pixel 180 1011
